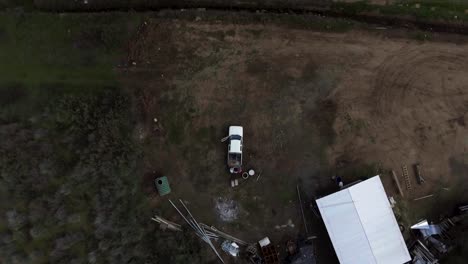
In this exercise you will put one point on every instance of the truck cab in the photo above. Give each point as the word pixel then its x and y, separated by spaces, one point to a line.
pixel 235 142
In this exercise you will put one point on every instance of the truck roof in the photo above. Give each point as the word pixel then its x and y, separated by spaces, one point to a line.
pixel 235 146
pixel 236 130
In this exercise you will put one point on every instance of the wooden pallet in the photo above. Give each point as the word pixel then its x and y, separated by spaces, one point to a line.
pixel 270 255
pixel 406 176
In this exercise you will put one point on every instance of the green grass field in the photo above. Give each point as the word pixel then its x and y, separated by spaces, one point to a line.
pixel 44 56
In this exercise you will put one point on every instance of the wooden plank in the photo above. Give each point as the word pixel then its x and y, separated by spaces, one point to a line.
pixel 170 225
pixel 397 182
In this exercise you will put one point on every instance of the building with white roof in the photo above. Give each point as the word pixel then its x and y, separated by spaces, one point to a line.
pixel 362 226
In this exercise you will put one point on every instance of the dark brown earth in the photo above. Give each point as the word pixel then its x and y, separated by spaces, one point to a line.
pixel 312 104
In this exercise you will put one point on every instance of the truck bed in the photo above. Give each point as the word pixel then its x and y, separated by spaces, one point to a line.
pixel 234 160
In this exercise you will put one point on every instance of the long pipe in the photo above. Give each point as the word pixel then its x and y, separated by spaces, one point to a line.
pixel 302 209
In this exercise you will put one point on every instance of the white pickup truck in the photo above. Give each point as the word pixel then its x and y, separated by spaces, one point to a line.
pixel 234 157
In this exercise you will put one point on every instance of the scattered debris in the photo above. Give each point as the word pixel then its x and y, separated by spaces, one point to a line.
pixel 270 255
pixel 259 174
pixel 301 252
pixel 245 175
pixel 162 185
pixel 288 224
pixel 392 201
pixel 463 208
pixel 420 225
pixel 252 255
pixel 338 181
pixel 440 247
pixel 426 229
pixel 230 247
pixel 234 183
pixel 421 254
pixel 228 210
pixel 291 247
pixel 431 230
pixel 222 234
pixel 211 230
pixel 436 240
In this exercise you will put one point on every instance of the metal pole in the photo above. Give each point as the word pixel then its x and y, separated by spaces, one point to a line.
pixel 186 220
pixel 424 197
pixel 204 236
pixel 302 209
pixel 198 226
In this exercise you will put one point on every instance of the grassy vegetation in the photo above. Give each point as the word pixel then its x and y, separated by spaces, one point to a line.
pixel 23 4
pixel 69 175
pixel 69 48
pixel 299 21
pixel 44 56
pixel 427 10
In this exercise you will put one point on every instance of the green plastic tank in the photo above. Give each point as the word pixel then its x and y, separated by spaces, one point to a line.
pixel 162 184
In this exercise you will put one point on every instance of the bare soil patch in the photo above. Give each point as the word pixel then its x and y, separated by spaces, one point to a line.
pixel 311 103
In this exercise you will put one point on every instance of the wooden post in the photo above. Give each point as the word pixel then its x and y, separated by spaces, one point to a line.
pixel 395 178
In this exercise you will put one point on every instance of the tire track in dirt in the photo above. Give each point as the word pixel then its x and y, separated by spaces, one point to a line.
pixel 397 75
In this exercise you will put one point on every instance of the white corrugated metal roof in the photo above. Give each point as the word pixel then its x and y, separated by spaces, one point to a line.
pixel 362 226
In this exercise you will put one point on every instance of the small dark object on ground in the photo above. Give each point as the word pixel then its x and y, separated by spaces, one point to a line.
pixel 417 172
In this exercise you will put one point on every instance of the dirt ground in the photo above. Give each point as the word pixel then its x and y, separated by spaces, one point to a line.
pixel 311 103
